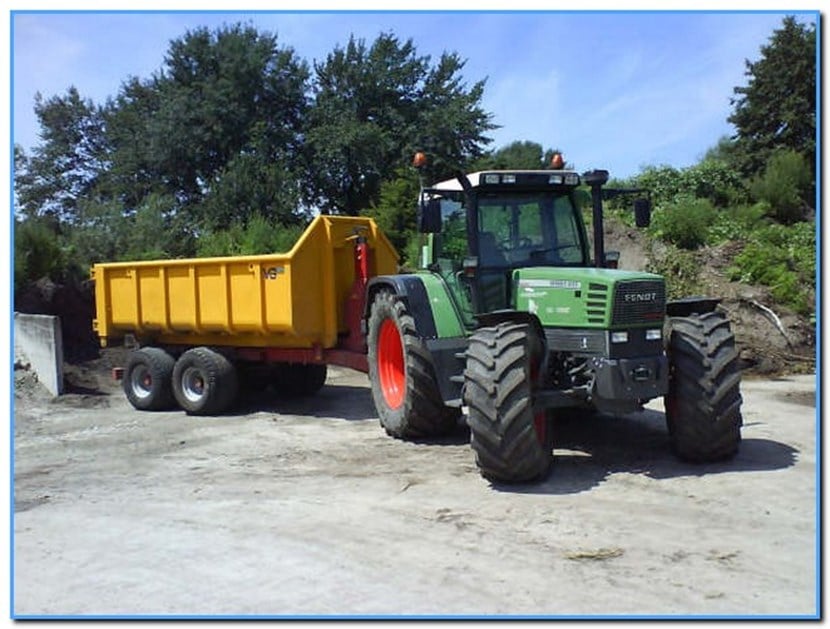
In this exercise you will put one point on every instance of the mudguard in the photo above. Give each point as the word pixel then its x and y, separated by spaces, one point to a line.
pixel 410 288
pixel 691 305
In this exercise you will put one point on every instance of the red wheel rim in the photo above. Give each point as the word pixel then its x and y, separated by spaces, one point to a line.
pixel 540 423
pixel 540 419
pixel 391 369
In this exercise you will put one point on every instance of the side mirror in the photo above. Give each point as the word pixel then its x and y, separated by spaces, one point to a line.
pixel 429 216
pixel 642 212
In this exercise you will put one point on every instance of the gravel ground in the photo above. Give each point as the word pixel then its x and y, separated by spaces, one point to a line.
pixel 308 508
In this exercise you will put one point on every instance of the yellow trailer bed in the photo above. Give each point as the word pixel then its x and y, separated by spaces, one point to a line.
pixel 290 300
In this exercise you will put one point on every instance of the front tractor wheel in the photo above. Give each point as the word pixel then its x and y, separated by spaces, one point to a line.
pixel 204 382
pixel 402 375
pixel 703 405
pixel 512 442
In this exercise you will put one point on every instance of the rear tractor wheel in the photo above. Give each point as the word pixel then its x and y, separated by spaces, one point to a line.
pixel 402 375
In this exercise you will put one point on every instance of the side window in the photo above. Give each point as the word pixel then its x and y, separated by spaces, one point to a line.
pixel 451 243
pixel 567 231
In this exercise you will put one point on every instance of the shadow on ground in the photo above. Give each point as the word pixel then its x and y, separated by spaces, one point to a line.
pixel 589 449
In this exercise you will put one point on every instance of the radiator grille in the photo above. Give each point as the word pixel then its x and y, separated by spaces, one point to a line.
pixel 642 301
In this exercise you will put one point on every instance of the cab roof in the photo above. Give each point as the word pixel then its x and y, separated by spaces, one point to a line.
pixel 480 179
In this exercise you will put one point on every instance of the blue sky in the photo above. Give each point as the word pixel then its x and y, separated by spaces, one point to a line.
pixel 614 90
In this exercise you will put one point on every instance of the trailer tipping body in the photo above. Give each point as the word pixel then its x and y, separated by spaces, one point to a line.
pixel 294 300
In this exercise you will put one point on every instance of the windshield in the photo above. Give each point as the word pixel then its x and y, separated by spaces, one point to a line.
pixel 528 229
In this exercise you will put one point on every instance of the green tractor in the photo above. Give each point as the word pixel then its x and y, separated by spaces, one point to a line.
pixel 512 317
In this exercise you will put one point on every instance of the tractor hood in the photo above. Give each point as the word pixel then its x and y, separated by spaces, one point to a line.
pixel 589 297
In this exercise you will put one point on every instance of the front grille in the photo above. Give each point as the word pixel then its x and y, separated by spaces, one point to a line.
pixel 641 301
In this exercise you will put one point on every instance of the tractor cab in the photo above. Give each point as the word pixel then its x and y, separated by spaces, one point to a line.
pixel 484 226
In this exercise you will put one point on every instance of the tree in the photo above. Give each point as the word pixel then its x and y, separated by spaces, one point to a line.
pixel 68 162
pixel 226 104
pixel 373 107
pixel 521 154
pixel 396 212
pixel 777 107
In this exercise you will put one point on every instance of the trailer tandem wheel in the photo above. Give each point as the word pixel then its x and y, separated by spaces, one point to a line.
pixel 147 379
pixel 204 382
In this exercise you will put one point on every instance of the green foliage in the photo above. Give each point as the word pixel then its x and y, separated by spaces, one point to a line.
pixel 520 154
pixel 777 107
pixel 712 179
pixel 685 223
pixel 228 104
pixel 783 258
pixel 258 236
pixel 680 268
pixel 66 166
pixel 736 222
pixel 373 106
pixel 251 185
pixel 786 186
pixel 396 213
pixel 37 251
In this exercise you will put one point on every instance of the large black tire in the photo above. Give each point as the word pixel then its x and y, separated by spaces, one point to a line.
pixel 147 379
pixel 204 382
pixel 512 443
pixel 298 380
pixel 703 405
pixel 402 375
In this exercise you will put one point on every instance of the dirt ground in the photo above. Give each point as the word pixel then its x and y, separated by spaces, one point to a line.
pixel 307 508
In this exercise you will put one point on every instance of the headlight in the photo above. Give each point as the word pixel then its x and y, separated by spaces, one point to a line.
pixel 654 335
pixel 619 337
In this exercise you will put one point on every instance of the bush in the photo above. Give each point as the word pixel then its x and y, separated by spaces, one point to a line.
pixel 37 252
pixel 681 270
pixel 685 223
pixel 711 179
pixel 736 223
pixel 786 186
pixel 784 259
pixel 259 236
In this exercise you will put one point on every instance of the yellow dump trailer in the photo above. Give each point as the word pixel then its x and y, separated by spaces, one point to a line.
pixel 196 317
pixel 294 299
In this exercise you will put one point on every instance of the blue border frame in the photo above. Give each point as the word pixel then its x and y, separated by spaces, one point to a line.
pixel 819 316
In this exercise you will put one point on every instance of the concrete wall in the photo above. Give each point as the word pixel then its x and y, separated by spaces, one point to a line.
pixel 38 341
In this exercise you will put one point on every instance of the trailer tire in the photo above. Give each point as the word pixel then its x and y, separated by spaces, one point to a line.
pixel 204 382
pixel 402 374
pixel 147 379
pixel 703 404
pixel 295 380
pixel 512 443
